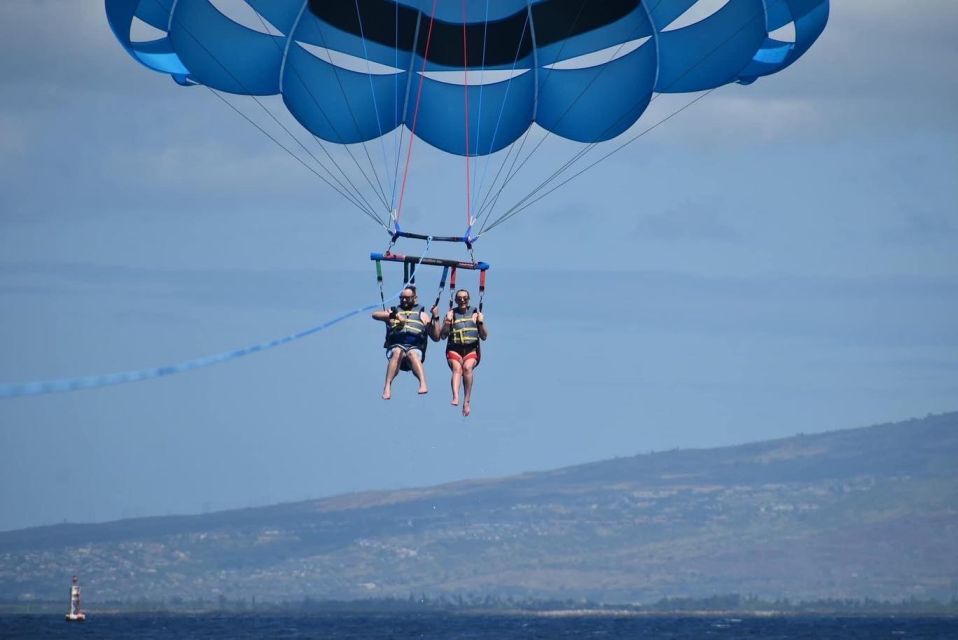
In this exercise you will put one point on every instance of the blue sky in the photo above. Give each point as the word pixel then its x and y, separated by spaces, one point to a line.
pixel 779 258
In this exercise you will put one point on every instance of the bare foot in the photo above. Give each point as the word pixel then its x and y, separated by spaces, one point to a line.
pixel 387 393
pixel 455 401
pixel 465 409
pixel 423 390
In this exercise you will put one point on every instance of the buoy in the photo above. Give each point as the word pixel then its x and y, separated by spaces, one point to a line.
pixel 75 614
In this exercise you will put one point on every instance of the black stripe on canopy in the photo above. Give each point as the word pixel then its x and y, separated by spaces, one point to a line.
pixel 393 24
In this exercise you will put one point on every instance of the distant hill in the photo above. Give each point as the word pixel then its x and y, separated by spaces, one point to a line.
pixel 860 513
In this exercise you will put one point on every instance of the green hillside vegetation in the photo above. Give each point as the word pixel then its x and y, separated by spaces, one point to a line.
pixel 841 516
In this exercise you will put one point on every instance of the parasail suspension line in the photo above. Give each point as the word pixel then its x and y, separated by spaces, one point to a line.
pixel 513 170
pixel 482 86
pixel 397 136
pixel 372 93
pixel 465 96
pixel 186 30
pixel 409 79
pixel 366 210
pixel 378 187
pixel 502 108
pixel 357 192
pixel 524 202
pixel 415 116
pixel 512 147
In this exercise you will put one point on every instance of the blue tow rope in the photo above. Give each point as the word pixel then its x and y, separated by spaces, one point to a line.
pixel 91 382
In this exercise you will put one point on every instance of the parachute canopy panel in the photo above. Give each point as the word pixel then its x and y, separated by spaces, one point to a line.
pixel 470 77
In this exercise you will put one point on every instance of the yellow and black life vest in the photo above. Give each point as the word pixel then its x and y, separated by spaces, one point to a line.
pixel 410 332
pixel 464 328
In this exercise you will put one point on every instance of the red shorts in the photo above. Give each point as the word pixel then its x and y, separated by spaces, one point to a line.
pixel 462 352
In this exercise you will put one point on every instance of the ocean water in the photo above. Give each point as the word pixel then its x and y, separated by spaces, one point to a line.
pixel 455 626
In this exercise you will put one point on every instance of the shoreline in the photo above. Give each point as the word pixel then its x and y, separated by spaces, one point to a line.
pixel 38 609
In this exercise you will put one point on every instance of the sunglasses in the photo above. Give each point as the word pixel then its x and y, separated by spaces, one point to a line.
pixel 462 298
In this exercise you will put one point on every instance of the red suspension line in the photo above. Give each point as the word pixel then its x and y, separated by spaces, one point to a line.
pixel 415 116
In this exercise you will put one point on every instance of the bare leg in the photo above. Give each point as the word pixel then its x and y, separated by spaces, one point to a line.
pixel 467 367
pixel 416 365
pixel 456 379
pixel 391 370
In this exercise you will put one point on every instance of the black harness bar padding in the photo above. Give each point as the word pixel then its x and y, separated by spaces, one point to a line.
pixel 442 285
pixel 482 288
pixel 452 286
pixel 435 262
pixel 379 281
pixel 418 236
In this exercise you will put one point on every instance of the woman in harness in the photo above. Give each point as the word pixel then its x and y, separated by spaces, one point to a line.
pixel 408 329
pixel 464 327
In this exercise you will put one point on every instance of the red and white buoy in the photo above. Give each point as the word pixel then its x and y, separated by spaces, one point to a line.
pixel 75 614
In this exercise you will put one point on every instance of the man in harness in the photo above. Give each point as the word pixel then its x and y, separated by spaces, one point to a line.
pixel 408 329
pixel 464 327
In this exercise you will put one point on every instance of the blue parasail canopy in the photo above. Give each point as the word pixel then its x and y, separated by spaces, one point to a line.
pixel 468 76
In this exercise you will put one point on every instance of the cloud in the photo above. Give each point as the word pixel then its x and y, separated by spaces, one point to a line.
pixel 731 117
pixel 59 47
pixel 919 364
pixel 879 68
pixel 14 139
pixel 922 227
pixel 689 222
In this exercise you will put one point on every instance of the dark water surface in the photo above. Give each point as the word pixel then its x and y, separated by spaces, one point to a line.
pixel 449 626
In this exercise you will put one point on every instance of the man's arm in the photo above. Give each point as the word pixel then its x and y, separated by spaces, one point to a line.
pixel 384 316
